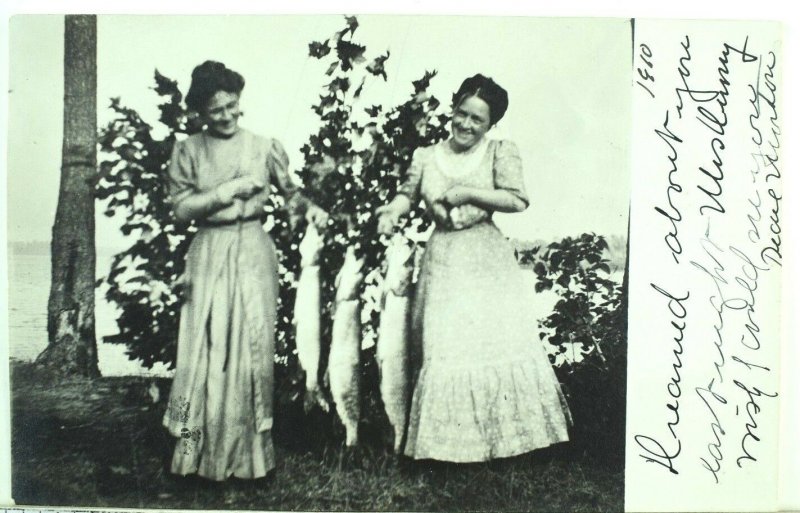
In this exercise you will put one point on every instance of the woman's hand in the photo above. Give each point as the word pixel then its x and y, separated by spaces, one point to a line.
pixel 244 187
pixel 466 216
pixel 440 214
pixel 457 195
pixel 388 217
pixel 201 205
pixel 317 216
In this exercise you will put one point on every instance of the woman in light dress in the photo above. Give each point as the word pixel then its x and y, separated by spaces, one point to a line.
pixel 485 388
pixel 220 405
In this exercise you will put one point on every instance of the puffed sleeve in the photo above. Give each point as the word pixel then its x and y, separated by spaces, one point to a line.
pixel 278 168
pixel 508 174
pixel 181 176
pixel 410 185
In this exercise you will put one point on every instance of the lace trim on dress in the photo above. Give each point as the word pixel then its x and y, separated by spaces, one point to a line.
pixel 479 414
pixel 455 165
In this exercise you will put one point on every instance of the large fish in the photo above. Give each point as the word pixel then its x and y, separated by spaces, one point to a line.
pixel 307 316
pixel 392 351
pixel 344 360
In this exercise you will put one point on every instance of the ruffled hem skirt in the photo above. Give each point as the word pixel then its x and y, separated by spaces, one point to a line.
pixel 486 388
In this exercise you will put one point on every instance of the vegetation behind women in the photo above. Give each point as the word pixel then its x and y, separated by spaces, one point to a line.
pixel 585 333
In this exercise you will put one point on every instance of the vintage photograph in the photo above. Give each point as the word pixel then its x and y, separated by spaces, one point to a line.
pixel 319 262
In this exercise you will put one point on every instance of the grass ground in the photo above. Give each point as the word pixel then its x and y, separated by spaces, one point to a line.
pixel 100 443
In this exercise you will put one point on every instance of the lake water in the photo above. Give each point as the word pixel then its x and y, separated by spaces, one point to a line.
pixel 29 287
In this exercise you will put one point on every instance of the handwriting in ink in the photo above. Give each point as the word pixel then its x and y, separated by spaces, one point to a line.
pixel 753 233
pixel 645 56
pixel 656 453
pixel 717 123
pixel 757 138
pixel 752 408
pixel 655 450
pixel 772 251
pixel 694 94
pixel 750 366
pixel 717 300
pixel 685 73
pixel 674 188
pixel 748 281
pixel 714 121
pixel 714 448
pixel 714 190
pixel 769 81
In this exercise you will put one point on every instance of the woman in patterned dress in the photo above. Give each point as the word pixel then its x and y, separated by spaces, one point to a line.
pixel 485 388
pixel 220 406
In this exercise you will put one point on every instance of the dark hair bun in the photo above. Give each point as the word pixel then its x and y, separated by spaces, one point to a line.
pixel 487 90
pixel 207 80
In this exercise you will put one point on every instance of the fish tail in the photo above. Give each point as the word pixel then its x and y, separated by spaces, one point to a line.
pixel 314 396
pixel 351 434
pixel 399 438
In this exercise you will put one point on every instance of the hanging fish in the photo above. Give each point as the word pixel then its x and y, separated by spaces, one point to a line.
pixel 392 348
pixel 307 316
pixel 344 360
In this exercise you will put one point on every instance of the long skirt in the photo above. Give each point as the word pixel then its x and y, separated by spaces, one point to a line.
pixel 486 388
pixel 220 406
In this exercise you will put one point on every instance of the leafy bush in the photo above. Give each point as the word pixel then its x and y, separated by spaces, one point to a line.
pixel 353 164
pixel 586 338
pixel 131 180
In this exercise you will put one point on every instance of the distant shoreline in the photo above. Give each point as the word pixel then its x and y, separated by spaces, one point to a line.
pixel 42 247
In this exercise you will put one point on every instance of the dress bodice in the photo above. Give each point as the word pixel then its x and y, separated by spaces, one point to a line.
pixel 201 162
pixel 490 164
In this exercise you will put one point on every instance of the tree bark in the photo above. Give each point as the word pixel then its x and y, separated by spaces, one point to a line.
pixel 72 347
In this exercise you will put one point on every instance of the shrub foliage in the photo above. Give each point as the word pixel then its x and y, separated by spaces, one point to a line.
pixel 352 164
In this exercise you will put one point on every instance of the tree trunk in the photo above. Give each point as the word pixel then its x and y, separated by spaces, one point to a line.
pixel 72 347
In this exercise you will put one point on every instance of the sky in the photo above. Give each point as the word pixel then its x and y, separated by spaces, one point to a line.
pixel 568 82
